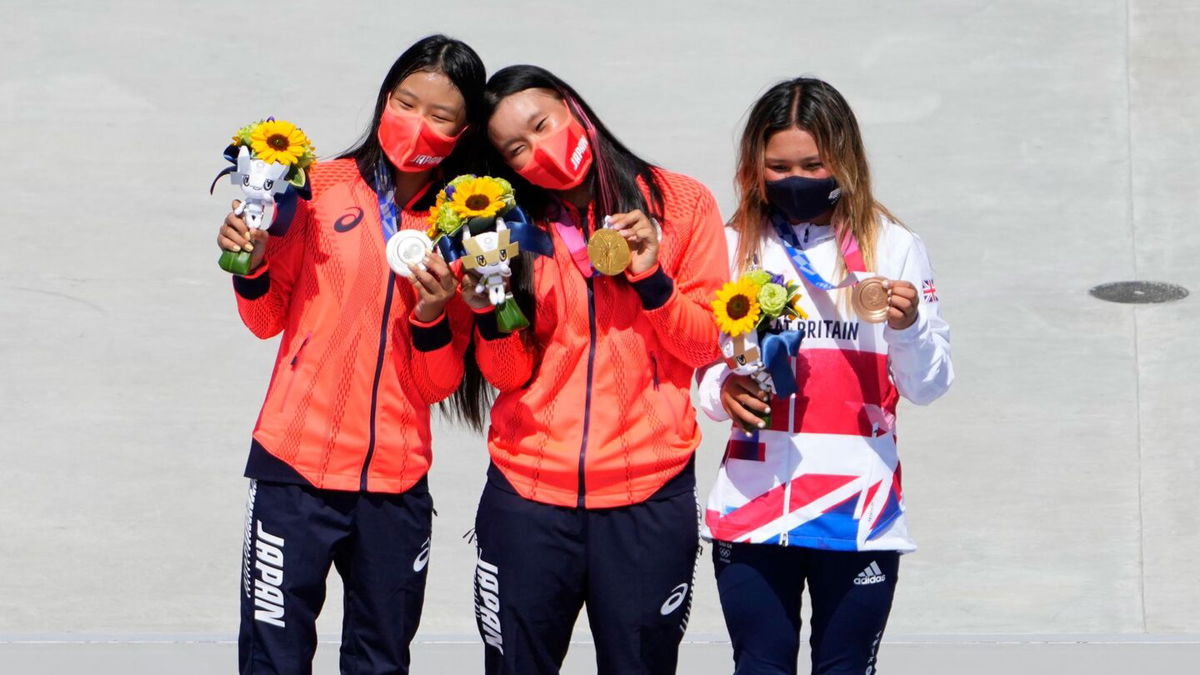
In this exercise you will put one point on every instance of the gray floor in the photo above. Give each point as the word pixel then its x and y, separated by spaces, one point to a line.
pixel 1060 657
pixel 1039 147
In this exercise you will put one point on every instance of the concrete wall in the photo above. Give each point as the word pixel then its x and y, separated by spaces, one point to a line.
pixel 1039 147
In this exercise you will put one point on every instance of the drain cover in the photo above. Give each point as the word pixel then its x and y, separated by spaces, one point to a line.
pixel 1139 292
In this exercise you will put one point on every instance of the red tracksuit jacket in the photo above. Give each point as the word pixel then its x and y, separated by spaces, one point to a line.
pixel 348 403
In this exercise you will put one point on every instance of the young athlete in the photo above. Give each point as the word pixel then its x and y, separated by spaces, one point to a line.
pixel 590 497
pixel 342 445
pixel 814 498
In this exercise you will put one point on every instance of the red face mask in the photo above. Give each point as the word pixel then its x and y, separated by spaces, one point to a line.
pixel 411 143
pixel 560 159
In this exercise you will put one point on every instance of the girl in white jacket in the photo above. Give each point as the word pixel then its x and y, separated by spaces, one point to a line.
pixel 815 496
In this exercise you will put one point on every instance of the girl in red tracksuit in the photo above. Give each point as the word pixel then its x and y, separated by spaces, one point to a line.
pixel 342 445
pixel 590 494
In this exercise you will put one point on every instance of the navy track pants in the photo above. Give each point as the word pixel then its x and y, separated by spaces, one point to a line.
pixel 379 544
pixel 633 567
pixel 760 587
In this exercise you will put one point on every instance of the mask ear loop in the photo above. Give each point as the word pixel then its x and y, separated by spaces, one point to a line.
pixel 607 198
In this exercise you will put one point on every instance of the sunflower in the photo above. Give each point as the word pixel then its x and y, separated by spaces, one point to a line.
pixel 736 307
pixel 279 141
pixel 479 198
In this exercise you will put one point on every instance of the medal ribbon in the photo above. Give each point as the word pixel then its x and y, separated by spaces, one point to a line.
pixel 388 218
pixel 573 237
pixel 850 253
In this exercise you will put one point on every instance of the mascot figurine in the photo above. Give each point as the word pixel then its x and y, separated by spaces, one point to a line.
pixel 488 254
pixel 268 161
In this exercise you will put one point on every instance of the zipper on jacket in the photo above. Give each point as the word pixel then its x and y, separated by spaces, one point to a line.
pixel 654 370
pixel 383 326
pixel 296 356
pixel 292 363
pixel 587 401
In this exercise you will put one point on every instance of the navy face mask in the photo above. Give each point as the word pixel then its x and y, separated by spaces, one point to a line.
pixel 802 199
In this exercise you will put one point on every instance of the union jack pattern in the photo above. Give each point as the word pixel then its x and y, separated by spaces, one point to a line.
pixel 929 290
pixel 825 473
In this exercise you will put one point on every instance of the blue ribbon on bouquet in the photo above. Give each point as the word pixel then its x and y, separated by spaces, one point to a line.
pixel 527 235
pixel 777 349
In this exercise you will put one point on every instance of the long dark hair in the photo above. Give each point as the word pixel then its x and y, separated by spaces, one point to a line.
pixel 457 61
pixel 612 181
pixel 613 178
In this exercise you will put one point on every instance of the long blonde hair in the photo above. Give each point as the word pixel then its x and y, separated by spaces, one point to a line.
pixel 816 107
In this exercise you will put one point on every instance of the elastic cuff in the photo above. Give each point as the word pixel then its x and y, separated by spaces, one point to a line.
pixel 634 278
pixel 653 286
pixel 428 337
pixel 488 328
pixel 254 285
pixel 490 309
pixel 412 319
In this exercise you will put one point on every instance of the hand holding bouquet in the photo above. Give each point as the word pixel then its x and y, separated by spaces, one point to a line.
pixel 474 203
pixel 746 310
pixel 268 158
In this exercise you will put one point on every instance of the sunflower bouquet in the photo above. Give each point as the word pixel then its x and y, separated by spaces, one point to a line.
pixel 746 311
pixel 467 198
pixel 269 158
pixel 470 204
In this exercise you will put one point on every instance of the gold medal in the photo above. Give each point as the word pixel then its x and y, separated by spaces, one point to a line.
pixel 608 251
pixel 870 300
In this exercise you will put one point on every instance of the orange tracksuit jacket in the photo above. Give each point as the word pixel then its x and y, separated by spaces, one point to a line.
pixel 348 403
pixel 598 413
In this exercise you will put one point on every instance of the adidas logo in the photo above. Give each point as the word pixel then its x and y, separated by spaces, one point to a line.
pixel 871 575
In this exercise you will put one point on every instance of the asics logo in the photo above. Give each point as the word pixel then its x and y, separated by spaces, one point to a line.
pixel 422 558
pixel 674 600
pixel 349 220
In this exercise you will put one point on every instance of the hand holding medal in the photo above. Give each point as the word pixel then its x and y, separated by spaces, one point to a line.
pixel 435 285
pixel 636 249
pixel 877 299
pixel 903 300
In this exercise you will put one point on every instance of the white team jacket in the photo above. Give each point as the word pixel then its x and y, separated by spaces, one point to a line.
pixel 826 474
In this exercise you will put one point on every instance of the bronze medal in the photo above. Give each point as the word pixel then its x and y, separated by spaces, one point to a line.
pixel 870 300
pixel 608 251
